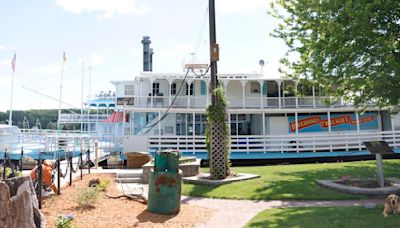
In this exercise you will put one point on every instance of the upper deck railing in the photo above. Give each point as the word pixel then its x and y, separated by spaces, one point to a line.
pixel 82 118
pixel 237 102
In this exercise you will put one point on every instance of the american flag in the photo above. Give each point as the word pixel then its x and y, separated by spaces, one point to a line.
pixel 13 62
pixel 64 57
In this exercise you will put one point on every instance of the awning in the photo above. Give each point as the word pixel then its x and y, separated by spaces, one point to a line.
pixel 116 117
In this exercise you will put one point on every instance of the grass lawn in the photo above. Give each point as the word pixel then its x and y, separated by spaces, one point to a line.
pixel 292 181
pixel 324 217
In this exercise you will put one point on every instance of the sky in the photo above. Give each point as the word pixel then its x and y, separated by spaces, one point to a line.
pixel 102 42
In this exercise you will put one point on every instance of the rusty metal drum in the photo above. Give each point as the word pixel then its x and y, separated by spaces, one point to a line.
pixel 165 184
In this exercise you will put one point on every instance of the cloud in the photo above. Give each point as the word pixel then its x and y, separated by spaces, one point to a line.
pixel 5 62
pixel 96 58
pixel 109 8
pixel 48 69
pixel 240 6
pixel 179 50
pixel 2 47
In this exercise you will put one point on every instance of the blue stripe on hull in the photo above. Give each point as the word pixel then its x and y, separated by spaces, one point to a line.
pixel 285 155
pixel 234 154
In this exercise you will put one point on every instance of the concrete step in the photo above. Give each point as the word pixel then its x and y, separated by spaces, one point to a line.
pixel 128 175
pixel 129 180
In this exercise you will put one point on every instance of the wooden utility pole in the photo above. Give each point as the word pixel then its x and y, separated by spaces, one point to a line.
pixel 218 154
pixel 214 52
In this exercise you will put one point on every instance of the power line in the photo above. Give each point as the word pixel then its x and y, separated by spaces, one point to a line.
pixel 200 36
pixel 170 106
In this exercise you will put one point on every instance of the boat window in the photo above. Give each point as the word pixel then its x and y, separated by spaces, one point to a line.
pixel 156 88
pixel 255 87
pixel 173 89
pixel 189 90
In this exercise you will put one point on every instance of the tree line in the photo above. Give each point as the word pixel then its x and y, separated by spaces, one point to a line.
pixel 46 117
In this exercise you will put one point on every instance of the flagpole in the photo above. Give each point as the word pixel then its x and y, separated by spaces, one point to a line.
pixel 11 102
pixel 83 73
pixel 13 62
pixel 59 105
pixel 90 91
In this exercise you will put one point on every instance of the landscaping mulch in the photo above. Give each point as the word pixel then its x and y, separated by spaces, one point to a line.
pixel 364 183
pixel 120 212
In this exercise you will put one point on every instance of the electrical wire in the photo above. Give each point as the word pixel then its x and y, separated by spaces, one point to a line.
pixel 170 106
pixel 201 32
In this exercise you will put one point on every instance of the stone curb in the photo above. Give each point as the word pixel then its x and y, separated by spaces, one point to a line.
pixel 362 191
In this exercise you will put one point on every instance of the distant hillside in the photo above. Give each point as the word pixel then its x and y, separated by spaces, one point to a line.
pixel 47 118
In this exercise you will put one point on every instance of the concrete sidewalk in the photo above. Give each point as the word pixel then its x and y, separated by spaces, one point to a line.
pixel 236 213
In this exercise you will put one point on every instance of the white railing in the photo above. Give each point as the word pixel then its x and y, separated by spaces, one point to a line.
pixel 67 141
pixel 238 102
pixel 318 142
pixel 84 118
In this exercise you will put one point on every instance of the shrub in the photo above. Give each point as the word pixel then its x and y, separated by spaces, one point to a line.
pixel 8 172
pixel 88 197
pixel 103 185
pixel 64 221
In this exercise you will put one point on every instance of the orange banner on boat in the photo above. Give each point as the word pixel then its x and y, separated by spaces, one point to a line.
pixel 335 121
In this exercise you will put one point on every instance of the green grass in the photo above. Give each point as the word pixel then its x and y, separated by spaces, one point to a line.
pixel 324 217
pixel 294 182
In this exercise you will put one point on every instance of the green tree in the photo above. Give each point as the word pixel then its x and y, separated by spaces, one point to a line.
pixel 351 48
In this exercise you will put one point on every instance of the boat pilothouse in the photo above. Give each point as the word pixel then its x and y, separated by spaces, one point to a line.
pixel 266 118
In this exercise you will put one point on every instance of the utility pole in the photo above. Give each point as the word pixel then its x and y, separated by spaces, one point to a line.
pixel 214 52
pixel 218 158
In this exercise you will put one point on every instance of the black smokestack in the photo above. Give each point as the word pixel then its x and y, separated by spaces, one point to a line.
pixel 146 53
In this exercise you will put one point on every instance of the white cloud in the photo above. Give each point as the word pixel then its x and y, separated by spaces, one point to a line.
pixel 96 58
pixel 5 62
pixel 2 47
pixel 239 6
pixel 109 8
pixel 180 50
pixel 48 69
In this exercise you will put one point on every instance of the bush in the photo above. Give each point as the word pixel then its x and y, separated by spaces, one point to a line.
pixel 8 172
pixel 88 197
pixel 103 185
pixel 64 221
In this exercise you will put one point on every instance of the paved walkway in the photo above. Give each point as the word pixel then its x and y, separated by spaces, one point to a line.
pixel 236 213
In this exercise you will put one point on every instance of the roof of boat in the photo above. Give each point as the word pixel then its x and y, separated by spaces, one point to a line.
pixel 198 76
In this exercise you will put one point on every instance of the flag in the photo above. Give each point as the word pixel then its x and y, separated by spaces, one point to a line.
pixel 64 58
pixel 13 62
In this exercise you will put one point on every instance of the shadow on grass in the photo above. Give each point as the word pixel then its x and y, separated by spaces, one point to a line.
pixel 302 184
pixel 294 182
pixel 324 217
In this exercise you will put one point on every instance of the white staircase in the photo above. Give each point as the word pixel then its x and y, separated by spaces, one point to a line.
pixel 129 178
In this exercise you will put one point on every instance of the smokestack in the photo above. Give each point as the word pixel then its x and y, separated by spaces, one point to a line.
pixel 146 53
pixel 151 59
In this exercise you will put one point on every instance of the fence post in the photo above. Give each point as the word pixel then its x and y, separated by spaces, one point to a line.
pixel 22 155
pixel 70 169
pixel 4 164
pixel 88 159
pixel 96 147
pixel 40 182
pixel 58 176
pixel 81 166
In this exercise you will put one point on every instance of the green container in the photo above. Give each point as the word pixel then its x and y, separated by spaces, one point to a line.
pixel 165 184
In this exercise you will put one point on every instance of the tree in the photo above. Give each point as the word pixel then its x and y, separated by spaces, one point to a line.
pixel 351 48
